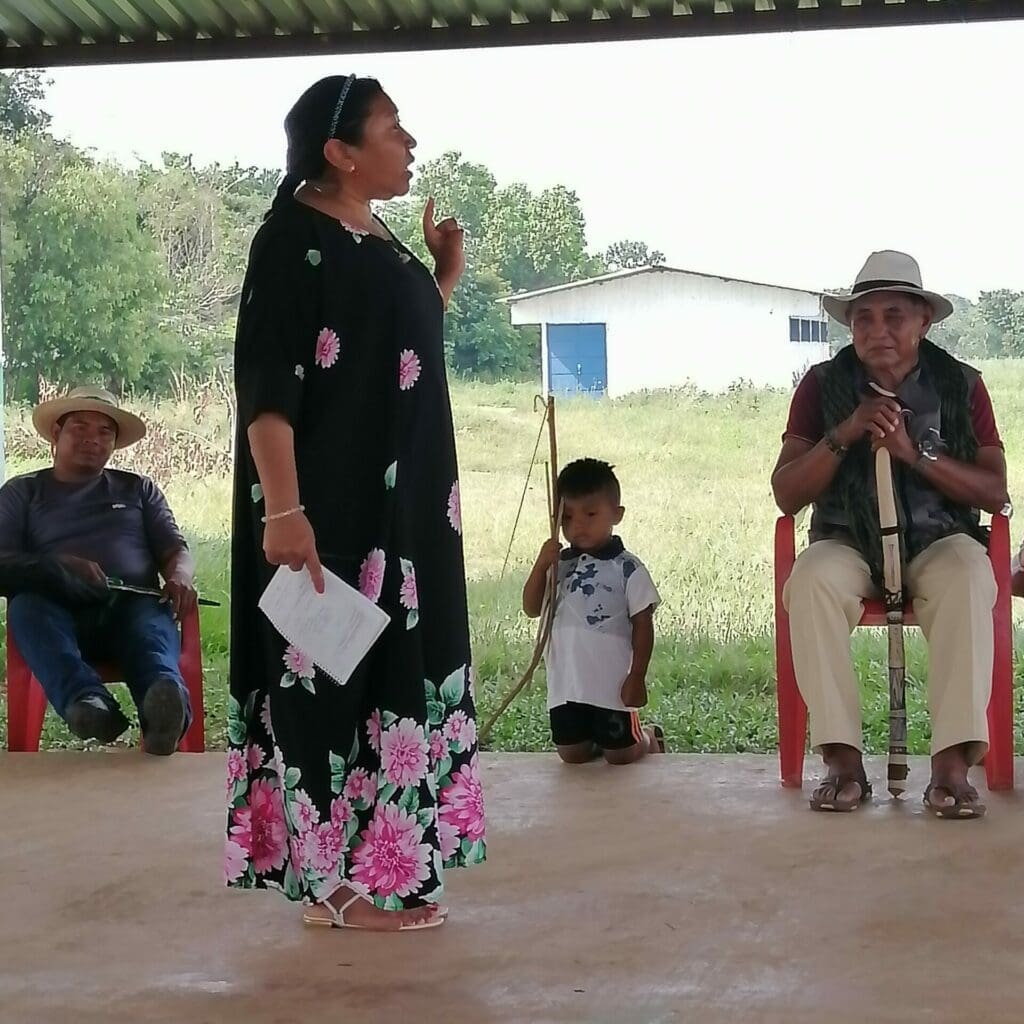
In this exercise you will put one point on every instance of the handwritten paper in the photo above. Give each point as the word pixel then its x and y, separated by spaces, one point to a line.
pixel 335 629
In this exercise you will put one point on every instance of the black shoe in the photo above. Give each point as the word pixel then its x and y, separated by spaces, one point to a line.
pixel 92 718
pixel 163 712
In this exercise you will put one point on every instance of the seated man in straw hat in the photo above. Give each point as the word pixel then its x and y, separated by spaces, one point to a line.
pixel 83 523
pixel 947 464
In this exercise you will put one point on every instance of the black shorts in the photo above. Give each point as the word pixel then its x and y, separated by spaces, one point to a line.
pixel 609 729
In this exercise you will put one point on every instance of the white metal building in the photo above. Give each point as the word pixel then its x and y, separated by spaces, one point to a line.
pixel 658 327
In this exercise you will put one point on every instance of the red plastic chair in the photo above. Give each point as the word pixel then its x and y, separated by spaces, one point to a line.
pixel 26 702
pixel 793 711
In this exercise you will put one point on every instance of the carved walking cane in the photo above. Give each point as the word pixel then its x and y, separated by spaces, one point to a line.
pixel 892 592
pixel 547 614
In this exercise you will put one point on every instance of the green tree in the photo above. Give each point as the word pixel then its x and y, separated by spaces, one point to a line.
pixel 476 312
pixel 538 240
pixel 1002 313
pixel 21 97
pixel 202 220
pixel 82 295
pixel 952 333
pixel 630 255
pixel 516 240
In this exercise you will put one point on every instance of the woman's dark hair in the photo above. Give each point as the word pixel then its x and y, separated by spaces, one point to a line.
pixel 308 128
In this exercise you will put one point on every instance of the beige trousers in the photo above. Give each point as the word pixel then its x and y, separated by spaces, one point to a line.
pixel 953 593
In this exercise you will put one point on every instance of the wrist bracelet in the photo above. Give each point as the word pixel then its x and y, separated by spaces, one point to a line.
pixel 837 449
pixel 284 515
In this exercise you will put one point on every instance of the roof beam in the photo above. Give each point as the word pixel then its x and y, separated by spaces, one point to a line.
pixel 527 22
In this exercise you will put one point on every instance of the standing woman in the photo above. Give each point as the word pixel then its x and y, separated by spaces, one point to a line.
pixel 350 798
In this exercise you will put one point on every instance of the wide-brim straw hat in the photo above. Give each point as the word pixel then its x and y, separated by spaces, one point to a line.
pixel 887 271
pixel 89 399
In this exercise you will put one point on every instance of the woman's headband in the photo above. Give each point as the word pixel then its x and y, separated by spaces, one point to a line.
pixel 341 102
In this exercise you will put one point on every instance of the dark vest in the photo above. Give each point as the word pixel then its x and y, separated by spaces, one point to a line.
pixel 926 514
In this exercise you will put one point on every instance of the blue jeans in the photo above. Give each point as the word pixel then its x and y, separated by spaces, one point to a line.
pixel 135 632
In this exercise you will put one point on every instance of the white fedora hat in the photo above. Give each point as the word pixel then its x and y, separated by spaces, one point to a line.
pixel 887 271
pixel 89 399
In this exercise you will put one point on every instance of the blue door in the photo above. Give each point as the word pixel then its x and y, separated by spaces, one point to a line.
pixel 577 359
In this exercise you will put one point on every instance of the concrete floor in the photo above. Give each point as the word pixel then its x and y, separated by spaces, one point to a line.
pixel 683 889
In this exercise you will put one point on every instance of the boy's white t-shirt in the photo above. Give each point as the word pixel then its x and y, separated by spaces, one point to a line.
pixel 590 651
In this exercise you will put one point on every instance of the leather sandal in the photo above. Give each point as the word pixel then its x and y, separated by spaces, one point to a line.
pixel 960 809
pixel 826 796
pixel 336 918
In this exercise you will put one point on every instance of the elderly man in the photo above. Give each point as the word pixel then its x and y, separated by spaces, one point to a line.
pixel 947 464
pixel 64 533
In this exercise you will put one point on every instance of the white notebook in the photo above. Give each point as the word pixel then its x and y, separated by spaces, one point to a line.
pixel 335 629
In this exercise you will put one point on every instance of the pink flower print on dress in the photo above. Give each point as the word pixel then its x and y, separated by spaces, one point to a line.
pixel 304 812
pixel 455 508
pixel 373 729
pixel 240 829
pixel 409 369
pixel 438 745
pixel 462 803
pixel 460 731
pixel 236 769
pixel 255 757
pixel 300 667
pixel 298 854
pixel 371 575
pixel 267 829
pixel 236 859
pixel 408 595
pixel 449 836
pixel 360 786
pixel 341 811
pixel 403 753
pixel 298 662
pixel 392 859
pixel 322 848
pixel 327 348
pixel 265 716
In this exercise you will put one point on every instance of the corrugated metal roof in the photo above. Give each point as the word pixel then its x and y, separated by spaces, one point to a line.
pixel 48 33
pixel 618 275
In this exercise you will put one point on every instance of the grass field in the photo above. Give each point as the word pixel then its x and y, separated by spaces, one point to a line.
pixel 695 475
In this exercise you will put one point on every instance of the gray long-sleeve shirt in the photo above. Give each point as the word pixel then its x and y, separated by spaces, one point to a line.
pixel 119 520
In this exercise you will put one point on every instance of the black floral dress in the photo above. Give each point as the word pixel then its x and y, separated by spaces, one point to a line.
pixel 374 784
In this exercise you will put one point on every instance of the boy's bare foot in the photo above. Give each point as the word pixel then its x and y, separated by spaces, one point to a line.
pixel 655 739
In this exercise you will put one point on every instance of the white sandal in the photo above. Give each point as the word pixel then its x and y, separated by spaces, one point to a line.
pixel 337 918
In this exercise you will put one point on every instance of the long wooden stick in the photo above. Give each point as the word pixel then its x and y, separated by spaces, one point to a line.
pixel 547 613
pixel 892 591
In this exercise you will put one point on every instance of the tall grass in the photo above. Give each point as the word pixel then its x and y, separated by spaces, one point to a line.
pixel 695 474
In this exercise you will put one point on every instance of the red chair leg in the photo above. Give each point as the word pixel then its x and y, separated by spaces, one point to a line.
pixel 999 759
pixel 791 708
pixel 191 665
pixel 26 704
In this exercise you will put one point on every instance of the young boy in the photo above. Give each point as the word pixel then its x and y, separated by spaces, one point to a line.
pixel 603 632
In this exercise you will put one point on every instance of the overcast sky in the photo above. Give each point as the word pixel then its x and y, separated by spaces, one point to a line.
pixel 781 158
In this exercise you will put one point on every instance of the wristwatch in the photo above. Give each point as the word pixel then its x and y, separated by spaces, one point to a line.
pixel 928 450
pixel 837 449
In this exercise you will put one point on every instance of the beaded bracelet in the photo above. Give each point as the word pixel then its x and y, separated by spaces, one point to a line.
pixel 284 515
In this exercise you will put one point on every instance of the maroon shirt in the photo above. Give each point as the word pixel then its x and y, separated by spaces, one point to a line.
pixel 807 419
